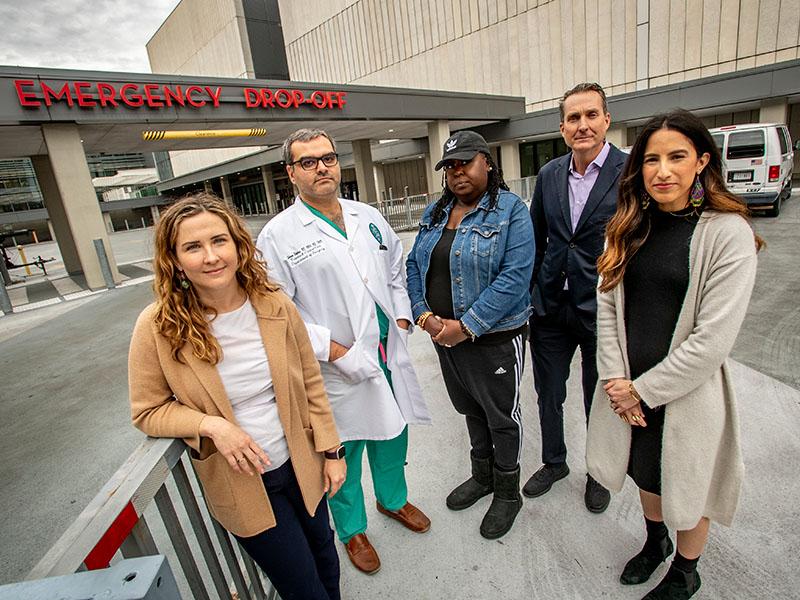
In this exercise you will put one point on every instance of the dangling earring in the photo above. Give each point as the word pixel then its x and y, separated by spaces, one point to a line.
pixel 698 193
pixel 183 281
pixel 645 200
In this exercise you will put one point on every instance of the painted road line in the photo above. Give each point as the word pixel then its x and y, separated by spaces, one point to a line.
pixel 83 294
pixel 35 305
pixel 136 281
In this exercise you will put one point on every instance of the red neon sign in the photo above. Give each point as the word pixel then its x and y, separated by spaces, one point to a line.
pixel 102 94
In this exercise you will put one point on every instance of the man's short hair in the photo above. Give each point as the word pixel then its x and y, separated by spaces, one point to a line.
pixel 303 135
pixel 580 88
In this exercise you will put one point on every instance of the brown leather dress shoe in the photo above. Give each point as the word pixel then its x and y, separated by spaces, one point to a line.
pixel 410 516
pixel 362 554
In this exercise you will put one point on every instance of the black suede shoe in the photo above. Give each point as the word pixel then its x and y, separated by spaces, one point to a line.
pixel 476 487
pixel 505 505
pixel 541 481
pixel 641 567
pixel 596 497
pixel 676 585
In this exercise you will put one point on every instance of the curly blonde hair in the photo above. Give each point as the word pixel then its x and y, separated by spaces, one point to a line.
pixel 180 315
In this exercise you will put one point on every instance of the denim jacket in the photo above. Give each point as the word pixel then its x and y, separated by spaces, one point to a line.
pixel 491 261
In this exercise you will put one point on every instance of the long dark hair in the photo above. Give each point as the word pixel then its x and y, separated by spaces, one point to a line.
pixel 628 228
pixel 495 183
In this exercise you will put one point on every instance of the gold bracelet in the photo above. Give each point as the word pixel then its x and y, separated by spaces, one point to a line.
pixel 634 393
pixel 467 331
pixel 422 318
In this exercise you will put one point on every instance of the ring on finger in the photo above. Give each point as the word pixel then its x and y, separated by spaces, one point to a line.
pixel 240 459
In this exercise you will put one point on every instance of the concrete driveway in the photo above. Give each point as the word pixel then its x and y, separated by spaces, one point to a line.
pixel 64 429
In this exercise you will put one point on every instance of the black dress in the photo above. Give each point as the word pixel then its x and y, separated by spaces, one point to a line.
pixel 656 280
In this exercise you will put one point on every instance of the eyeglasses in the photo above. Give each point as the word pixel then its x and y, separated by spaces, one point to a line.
pixel 309 163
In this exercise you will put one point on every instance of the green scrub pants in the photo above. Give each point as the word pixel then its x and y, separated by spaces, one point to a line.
pixel 387 459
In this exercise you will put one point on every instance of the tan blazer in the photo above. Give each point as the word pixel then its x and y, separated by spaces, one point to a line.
pixel 170 399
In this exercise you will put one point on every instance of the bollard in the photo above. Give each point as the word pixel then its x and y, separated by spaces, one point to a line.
pixel 5 301
pixel 24 260
pixel 105 266
pixel 4 270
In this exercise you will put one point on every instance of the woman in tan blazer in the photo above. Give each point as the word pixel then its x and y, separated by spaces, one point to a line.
pixel 223 360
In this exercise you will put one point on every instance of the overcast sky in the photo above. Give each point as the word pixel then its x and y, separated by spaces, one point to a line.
pixel 102 35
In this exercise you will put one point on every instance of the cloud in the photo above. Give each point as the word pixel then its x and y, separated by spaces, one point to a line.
pixel 102 35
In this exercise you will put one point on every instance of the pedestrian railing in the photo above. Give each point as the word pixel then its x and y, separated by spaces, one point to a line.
pixel 403 214
pixel 523 187
pixel 114 524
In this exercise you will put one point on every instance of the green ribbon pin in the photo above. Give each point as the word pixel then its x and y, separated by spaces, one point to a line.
pixel 376 233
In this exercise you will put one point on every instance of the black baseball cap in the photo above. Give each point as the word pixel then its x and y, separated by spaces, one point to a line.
pixel 462 145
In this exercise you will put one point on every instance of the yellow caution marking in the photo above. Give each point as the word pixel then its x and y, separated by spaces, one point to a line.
pixel 189 134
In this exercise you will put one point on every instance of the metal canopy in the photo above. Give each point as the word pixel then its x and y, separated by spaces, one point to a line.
pixel 367 113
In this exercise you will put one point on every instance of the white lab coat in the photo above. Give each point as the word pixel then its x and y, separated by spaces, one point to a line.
pixel 335 283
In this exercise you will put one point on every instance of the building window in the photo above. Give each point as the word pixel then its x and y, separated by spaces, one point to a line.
pixel 534 155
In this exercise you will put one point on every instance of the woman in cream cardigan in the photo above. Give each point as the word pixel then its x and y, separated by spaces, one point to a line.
pixel 223 360
pixel 676 278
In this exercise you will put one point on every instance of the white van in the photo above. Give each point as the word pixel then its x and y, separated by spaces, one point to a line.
pixel 757 162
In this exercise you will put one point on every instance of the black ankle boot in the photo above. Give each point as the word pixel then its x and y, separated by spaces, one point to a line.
pixel 641 567
pixel 505 505
pixel 476 487
pixel 676 585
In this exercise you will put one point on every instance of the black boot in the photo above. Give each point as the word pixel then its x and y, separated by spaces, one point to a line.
pixel 505 505
pixel 676 585
pixel 641 567
pixel 476 487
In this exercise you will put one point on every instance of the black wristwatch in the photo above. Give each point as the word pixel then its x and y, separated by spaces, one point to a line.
pixel 334 454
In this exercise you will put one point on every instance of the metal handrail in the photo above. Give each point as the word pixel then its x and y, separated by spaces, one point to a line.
pixel 114 522
pixel 403 214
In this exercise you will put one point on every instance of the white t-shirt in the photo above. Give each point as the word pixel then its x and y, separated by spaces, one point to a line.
pixel 245 374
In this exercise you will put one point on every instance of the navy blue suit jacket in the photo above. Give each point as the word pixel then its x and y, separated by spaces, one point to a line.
pixel 563 254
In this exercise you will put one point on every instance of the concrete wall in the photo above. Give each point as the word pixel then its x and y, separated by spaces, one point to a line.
pixel 209 38
pixel 202 37
pixel 534 48
pixel 398 175
pixel 188 161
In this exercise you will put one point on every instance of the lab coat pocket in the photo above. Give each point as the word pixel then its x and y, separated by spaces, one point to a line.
pixel 356 365
pixel 403 336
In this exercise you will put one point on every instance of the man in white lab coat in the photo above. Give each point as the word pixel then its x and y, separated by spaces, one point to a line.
pixel 342 265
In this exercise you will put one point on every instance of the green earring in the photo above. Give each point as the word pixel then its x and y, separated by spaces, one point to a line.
pixel 183 282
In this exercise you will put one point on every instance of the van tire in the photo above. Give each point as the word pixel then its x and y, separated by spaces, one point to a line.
pixel 776 207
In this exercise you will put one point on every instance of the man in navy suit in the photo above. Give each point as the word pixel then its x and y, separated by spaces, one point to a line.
pixel 574 197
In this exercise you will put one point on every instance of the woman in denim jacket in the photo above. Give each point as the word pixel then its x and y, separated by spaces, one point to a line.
pixel 468 279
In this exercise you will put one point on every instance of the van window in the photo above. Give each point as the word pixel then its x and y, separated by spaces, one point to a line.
pixel 719 140
pixel 746 144
pixel 782 140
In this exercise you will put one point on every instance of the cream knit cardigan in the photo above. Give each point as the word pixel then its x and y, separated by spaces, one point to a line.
pixel 701 462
